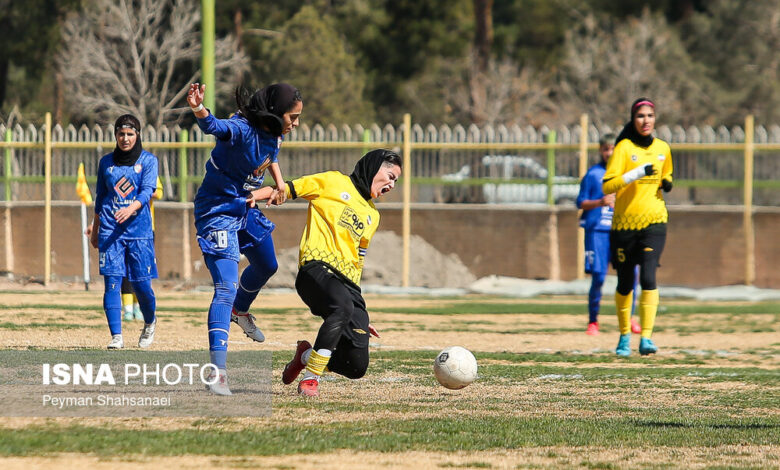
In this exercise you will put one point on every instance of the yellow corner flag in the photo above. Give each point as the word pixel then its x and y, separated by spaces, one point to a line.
pixel 82 188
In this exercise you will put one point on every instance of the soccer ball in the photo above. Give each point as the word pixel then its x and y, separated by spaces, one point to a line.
pixel 455 367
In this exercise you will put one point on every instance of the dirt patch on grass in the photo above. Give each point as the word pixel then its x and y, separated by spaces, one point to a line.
pixel 535 457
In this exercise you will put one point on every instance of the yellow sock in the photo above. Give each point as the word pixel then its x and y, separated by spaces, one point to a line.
pixel 316 363
pixel 623 305
pixel 648 306
pixel 127 300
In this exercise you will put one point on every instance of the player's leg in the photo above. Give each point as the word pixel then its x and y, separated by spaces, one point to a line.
pixel 622 243
pixel 111 260
pixel 112 305
pixel 597 267
pixel 653 241
pixel 142 268
pixel 127 299
pixel 328 297
pixel 224 274
pixel 350 358
pixel 635 328
pixel 262 265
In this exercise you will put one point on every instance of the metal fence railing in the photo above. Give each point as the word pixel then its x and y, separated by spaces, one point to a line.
pixel 485 164
pixel 448 164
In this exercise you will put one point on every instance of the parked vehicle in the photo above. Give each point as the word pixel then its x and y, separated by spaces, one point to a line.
pixel 524 181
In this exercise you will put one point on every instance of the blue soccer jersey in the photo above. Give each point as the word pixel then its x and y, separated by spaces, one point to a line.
pixel 120 186
pixel 599 218
pixel 236 167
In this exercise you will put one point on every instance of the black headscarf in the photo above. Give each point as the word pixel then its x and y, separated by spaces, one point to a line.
pixel 368 166
pixel 127 158
pixel 264 108
pixel 629 130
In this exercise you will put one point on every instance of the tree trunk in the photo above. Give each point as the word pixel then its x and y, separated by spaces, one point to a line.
pixel 483 41
pixel 483 36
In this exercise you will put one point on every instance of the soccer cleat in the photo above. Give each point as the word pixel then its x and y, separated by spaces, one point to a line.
pixel 220 387
pixel 635 327
pixel 294 367
pixel 137 312
pixel 128 316
pixel 593 329
pixel 116 342
pixel 308 388
pixel 646 346
pixel 147 335
pixel 624 346
pixel 247 323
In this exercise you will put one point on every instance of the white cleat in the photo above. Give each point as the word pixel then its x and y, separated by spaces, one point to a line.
pixel 116 342
pixel 147 335
pixel 247 323
pixel 220 387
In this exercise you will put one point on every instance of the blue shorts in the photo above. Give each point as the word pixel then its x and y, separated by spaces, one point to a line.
pixel 596 251
pixel 228 236
pixel 133 259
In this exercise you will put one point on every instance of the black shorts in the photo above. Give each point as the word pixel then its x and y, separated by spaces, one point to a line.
pixel 323 289
pixel 643 247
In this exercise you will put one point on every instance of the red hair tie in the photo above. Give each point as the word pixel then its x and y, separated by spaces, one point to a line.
pixel 642 103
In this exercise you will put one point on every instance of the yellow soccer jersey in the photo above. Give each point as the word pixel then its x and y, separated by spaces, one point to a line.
pixel 340 223
pixel 639 203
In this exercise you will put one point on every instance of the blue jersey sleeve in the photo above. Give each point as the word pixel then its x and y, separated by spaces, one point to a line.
pixel 222 129
pixel 585 190
pixel 148 181
pixel 100 190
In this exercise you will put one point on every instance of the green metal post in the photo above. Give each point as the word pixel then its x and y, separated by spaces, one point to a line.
pixel 366 140
pixel 207 71
pixel 183 137
pixel 8 166
pixel 550 168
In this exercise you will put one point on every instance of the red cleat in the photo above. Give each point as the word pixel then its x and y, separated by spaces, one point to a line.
pixel 593 329
pixel 635 327
pixel 308 388
pixel 294 367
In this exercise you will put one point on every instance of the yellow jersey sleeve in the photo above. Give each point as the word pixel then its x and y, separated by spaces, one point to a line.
pixel 640 203
pixel 339 225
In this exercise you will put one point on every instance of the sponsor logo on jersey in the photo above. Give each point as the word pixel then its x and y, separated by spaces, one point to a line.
pixel 138 167
pixel 351 221
pixel 345 196
pixel 263 166
pixel 124 187
pixel 255 179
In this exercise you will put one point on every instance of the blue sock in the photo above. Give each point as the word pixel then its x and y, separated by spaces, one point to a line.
pixel 112 303
pixel 594 296
pixel 262 265
pixel 145 294
pixel 224 273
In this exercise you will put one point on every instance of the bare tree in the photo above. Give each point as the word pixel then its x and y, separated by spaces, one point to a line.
pixel 138 56
pixel 509 93
pixel 608 66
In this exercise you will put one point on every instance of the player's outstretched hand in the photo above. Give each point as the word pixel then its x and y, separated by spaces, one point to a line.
pixel 372 330
pixel 195 95
pixel 649 170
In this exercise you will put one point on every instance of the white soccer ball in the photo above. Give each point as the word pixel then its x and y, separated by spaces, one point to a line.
pixel 455 367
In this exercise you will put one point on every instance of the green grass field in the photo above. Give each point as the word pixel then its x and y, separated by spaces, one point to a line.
pixel 547 396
